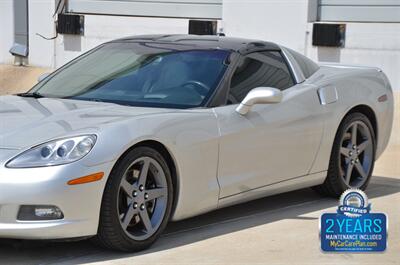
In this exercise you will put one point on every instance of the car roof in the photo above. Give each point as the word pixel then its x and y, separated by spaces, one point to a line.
pixel 240 45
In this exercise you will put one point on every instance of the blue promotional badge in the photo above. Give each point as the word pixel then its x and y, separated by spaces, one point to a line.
pixel 353 228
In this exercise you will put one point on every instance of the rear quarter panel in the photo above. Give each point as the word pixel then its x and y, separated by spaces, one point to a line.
pixel 355 86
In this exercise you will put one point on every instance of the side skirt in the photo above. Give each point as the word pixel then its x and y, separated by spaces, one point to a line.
pixel 275 188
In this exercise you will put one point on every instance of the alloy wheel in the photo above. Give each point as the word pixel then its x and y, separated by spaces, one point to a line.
pixel 142 198
pixel 356 154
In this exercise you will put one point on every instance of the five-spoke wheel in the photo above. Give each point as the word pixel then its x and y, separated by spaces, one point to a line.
pixel 142 198
pixel 137 201
pixel 356 154
pixel 352 157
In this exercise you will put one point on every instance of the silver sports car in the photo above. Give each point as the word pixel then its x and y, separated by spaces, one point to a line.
pixel 147 129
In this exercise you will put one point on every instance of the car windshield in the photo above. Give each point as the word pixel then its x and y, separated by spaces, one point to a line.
pixel 139 74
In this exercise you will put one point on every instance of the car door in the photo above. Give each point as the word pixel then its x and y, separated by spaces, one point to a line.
pixel 273 142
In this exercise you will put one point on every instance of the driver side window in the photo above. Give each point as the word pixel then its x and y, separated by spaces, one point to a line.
pixel 259 69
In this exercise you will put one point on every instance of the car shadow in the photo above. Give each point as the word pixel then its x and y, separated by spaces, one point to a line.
pixel 291 205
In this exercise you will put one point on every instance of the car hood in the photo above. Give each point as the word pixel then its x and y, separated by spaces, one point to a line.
pixel 25 122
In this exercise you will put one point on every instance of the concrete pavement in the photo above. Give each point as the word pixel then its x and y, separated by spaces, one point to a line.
pixel 281 229
pixel 15 79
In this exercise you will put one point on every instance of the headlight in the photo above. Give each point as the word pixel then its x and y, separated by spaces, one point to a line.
pixel 57 152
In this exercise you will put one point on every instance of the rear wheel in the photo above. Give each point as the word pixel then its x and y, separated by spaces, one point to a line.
pixel 352 157
pixel 137 201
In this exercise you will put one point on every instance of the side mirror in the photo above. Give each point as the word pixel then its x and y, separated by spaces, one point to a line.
pixel 259 95
pixel 42 76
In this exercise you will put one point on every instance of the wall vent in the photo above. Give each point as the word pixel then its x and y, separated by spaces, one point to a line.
pixel 329 35
pixel 202 27
pixel 70 24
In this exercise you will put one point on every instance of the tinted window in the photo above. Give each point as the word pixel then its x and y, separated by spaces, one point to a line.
pixel 306 65
pixel 265 69
pixel 140 75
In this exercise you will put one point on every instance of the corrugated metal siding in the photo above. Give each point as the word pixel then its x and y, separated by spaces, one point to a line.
pixel 359 10
pixel 211 9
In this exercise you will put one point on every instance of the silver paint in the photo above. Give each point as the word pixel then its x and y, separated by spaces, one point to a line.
pixel 259 95
pixel 221 157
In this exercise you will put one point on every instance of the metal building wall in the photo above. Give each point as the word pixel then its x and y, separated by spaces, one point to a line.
pixel 359 10
pixel 211 9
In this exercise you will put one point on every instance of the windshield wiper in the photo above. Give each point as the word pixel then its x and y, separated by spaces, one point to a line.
pixel 31 95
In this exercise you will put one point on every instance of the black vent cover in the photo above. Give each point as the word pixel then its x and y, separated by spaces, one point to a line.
pixel 201 27
pixel 70 24
pixel 330 35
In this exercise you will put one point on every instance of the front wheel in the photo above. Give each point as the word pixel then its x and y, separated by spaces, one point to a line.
pixel 137 201
pixel 352 157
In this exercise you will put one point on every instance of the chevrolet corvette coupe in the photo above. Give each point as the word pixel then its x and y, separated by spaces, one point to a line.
pixel 147 129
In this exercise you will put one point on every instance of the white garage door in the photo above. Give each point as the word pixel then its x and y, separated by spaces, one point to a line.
pixel 359 10
pixel 211 9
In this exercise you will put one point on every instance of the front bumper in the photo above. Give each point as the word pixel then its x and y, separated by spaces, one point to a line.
pixel 80 204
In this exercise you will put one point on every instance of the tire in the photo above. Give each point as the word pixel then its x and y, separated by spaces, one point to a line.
pixel 345 159
pixel 123 224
